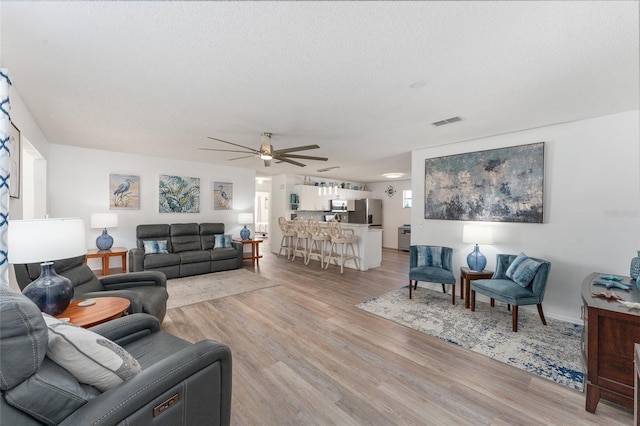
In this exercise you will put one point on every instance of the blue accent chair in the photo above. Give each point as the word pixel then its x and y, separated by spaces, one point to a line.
pixel 502 288
pixel 423 267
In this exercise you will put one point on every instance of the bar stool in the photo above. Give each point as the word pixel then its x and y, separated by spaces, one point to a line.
pixel 288 234
pixel 319 240
pixel 345 239
pixel 302 239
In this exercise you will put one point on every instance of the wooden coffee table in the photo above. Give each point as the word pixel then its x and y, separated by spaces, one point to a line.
pixel 105 309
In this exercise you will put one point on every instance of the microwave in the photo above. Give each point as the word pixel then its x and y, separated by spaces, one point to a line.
pixel 338 205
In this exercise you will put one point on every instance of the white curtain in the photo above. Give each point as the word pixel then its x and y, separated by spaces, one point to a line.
pixel 5 174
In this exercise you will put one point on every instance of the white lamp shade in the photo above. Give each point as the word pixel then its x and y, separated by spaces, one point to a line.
pixel 104 220
pixel 245 218
pixel 477 234
pixel 43 240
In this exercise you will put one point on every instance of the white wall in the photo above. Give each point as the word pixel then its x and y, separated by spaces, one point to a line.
pixel 394 214
pixel 591 205
pixel 78 182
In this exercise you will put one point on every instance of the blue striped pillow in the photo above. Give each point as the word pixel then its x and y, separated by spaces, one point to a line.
pixel 155 247
pixel 221 241
pixel 430 256
pixel 523 269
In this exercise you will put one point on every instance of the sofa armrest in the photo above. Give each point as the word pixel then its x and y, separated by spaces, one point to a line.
pixel 128 328
pixel 198 376
pixel 133 280
pixel 240 251
pixel 136 260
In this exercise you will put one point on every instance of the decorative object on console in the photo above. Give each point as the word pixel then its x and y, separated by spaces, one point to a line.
pixel 634 269
pixel 47 240
pixel 475 234
pixel 245 219
pixel 104 221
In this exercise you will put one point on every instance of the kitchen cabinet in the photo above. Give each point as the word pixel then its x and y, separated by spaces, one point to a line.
pixel 313 198
pixel 317 198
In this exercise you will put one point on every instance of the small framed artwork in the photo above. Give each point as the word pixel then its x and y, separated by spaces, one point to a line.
pixel 222 195
pixel 179 194
pixel 124 192
pixel 14 158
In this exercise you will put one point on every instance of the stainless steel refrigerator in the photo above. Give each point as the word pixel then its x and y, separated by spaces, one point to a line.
pixel 366 210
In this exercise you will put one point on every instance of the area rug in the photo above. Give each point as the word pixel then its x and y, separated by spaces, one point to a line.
pixel 198 288
pixel 551 351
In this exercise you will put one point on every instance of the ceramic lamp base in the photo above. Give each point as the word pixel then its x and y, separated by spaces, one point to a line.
pixel 104 241
pixel 245 233
pixel 50 292
pixel 476 260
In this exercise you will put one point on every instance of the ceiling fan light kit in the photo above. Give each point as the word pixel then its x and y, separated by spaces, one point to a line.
pixel 267 153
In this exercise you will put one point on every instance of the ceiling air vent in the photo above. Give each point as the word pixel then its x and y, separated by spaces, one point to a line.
pixel 447 121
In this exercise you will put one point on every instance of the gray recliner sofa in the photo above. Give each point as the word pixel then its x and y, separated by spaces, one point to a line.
pixel 190 249
pixel 181 383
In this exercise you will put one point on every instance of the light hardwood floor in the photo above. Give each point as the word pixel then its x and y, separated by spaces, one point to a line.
pixel 303 355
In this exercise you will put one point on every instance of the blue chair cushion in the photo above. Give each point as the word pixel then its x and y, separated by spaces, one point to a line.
pixel 523 269
pixel 506 291
pixel 431 274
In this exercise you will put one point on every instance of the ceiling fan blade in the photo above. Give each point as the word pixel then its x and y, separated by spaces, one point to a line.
pixel 302 157
pixel 296 148
pixel 227 150
pixel 234 144
pixel 286 160
pixel 240 158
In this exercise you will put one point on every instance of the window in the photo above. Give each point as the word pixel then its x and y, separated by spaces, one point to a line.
pixel 406 198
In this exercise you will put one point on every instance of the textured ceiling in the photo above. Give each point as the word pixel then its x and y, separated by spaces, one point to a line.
pixel 159 77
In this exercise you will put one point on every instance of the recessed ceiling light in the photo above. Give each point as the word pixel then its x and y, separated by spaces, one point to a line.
pixel 417 84
pixel 393 175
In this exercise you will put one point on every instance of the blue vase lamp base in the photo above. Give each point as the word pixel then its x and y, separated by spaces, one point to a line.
pixel 245 233
pixel 51 292
pixel 476 260
pixel 104 241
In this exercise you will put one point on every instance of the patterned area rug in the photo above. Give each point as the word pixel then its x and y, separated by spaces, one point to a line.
pixel 198 288
pixel 551 351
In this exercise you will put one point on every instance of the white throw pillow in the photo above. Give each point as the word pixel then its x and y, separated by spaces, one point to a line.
pixel 89 357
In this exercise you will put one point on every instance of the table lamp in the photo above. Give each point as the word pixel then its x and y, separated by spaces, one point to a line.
pixel 46 240
pixel 245 219
pixel 475 234
pixel 104 221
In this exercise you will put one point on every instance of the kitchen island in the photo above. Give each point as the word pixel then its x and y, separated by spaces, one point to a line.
pixel 368 248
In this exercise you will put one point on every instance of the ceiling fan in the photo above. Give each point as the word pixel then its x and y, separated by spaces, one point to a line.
pixel 267 153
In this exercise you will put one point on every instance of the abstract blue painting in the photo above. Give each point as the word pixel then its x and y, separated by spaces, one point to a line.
pixel 497 185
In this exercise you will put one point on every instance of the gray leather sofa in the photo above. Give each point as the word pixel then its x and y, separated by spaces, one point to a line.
pixel 146 291
pixel 181 383
pixel 190 248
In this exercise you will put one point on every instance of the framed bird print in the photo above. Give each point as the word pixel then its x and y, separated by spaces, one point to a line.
pixel 124 192
pixel 222 195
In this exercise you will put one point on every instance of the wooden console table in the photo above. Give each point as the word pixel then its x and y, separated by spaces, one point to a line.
pixel 255 249
pixel 610 331
pixel 105 255
pixel 105 309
